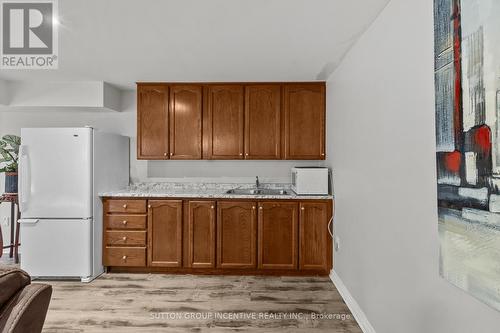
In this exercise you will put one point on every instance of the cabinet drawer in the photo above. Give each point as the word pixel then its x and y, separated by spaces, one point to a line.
pixel 125 206
pixel 125 256
pixel 125 221
pixel 124 238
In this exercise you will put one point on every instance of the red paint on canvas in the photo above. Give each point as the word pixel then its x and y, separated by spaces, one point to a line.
pixel 482 138
pixel 452 161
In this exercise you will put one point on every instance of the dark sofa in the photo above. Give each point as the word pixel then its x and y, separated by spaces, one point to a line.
pixel 23 305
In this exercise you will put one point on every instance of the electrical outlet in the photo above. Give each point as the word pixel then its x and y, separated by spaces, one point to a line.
pixel 337 243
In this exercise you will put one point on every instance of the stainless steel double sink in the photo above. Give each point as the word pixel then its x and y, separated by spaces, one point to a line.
pixel 257 191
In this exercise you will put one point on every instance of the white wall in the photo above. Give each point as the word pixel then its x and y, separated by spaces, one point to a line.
pixel 3 93
pixel 381 144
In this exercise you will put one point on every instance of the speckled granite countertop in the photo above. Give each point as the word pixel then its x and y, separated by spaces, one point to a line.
pixel 205 190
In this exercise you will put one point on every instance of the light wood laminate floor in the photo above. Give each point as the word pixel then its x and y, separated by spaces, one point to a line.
pixel 187 303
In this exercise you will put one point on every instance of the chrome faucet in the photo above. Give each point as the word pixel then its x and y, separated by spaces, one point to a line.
pixel 257 183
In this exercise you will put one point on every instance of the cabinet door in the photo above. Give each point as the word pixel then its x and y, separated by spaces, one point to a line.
pixel 236 234
pixel 201 234
pixel 305 121
pixel 152 122
pixel 263 122
pixel 185 121
pixel 277 241
pixel 223 133
pixel 314 240
pixel 165 233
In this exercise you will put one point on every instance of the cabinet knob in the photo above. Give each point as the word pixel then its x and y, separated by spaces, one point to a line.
pixel 253 207
pixel 171 154
pixel 322 154
pixel 261 208
pixel 164 154
pixel 124 222
pixel 246 154
pixel 125 206
pixel 241 154
pixel 124 257
pixel 302 208
pixel 124 238
pixel 149 206
pixel 212 207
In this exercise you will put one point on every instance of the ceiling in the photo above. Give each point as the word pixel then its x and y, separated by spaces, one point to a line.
pixel 124 41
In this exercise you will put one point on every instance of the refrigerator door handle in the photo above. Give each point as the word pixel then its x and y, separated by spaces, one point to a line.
pixel 23 177
pixel 28 221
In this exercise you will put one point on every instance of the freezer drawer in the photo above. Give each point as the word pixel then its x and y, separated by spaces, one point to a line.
pixel 56 248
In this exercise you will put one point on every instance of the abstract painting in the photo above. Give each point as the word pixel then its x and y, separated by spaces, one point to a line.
pixel 467 83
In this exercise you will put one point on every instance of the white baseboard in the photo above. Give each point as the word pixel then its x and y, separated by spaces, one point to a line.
pixel 356 311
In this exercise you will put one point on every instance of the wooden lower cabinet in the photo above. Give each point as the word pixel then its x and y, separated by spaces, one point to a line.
pixel 125 206
pixel 218 236
pixel 277 241
pixel 165 233
pixel 125 256
pixel 124 236
pixel 236 234
pixel 201 234
pixel 125 222
pixel 314 239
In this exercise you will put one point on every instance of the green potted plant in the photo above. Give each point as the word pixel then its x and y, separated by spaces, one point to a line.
pixel 9 151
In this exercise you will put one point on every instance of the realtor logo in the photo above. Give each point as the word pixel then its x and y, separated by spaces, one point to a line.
pixel 29 34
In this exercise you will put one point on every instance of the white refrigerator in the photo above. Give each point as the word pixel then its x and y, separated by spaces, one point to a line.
pixel 61 171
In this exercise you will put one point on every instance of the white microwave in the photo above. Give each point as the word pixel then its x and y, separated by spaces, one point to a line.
pixel 310 180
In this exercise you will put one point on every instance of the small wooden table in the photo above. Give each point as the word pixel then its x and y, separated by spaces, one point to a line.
pixel 14 235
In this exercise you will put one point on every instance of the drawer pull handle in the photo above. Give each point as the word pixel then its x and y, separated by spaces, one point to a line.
pixel 124 257
pixel 124 238
pixel 125 206
pixel 124 222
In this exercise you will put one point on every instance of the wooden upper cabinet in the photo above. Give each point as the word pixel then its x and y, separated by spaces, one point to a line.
pixel 201 234
pixel 277 240
pixel 315 243
pixel 304 106
pixel 152 122
pixel 236 234
pixel 263 122
pixel 223 123
pixel 185 115
pixel 165 233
